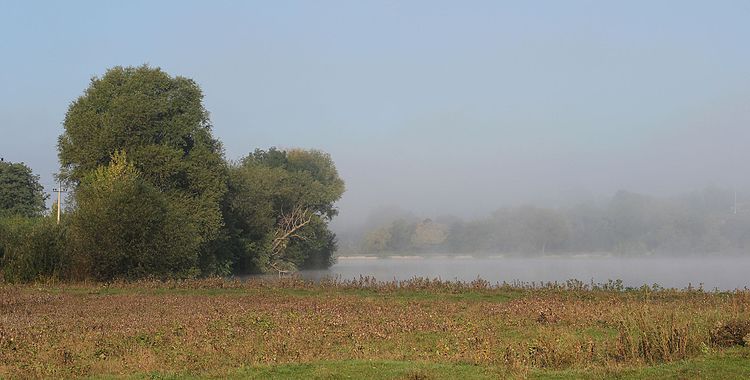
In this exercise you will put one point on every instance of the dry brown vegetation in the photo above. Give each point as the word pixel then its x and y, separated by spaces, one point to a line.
pixel 215 326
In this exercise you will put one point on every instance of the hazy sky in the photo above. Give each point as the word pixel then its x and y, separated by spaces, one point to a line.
pixel 440 107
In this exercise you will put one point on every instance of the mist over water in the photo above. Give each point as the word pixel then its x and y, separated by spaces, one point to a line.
pixel 722 273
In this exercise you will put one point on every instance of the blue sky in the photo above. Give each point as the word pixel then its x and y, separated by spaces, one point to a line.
pixel 437 106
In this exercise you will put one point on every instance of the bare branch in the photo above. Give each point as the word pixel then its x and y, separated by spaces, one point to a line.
pixel 287 228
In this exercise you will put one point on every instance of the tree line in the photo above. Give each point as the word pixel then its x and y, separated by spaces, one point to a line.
pixel 703 222
pixel 152 194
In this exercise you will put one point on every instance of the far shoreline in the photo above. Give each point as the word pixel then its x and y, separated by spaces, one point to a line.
pixel 516 256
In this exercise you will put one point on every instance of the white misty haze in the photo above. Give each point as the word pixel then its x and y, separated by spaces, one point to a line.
pixel 470 176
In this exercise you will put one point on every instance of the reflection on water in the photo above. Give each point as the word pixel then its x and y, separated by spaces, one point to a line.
pixel 724 273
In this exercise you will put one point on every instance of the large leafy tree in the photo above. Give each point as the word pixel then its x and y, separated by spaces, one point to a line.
pixel 160 121
pixel 20 191
pixel 273 190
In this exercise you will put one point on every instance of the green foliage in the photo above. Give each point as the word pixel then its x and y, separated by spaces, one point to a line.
pixel 316 250
pixel 161 123
pixel 307 177
pixel 20 191
pixel 172 207
pixel 249 215
pixel 159 120
pixel 267 184
pixel 31 248
pixel 123 227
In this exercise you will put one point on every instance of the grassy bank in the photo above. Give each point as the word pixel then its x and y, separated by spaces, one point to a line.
pixel 417 329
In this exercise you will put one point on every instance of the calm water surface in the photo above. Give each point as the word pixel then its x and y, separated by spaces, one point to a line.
pixel 724 273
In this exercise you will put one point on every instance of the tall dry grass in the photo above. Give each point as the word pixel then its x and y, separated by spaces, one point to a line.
pixel 216 325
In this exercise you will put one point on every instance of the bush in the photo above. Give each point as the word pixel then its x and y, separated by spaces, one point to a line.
pixel 124 228
pixel 732 333
pixel 31 248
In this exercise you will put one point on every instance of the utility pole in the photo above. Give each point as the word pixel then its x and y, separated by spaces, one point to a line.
pixel 59 191
pixel 735 202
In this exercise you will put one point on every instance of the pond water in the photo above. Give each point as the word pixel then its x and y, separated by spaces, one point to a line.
pixel 724 273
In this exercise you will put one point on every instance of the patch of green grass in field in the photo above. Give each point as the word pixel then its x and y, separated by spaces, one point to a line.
pixel 730 364
pixel 334 370
pixel 361 369
pixel 597 333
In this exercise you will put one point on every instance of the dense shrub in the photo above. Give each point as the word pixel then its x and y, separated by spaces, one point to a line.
pixel 32 248
pixel 123 227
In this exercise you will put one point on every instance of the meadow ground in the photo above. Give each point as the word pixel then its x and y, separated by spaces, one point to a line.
pixel 417 329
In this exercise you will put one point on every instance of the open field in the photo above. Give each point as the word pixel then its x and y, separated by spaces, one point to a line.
pixel 417 329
